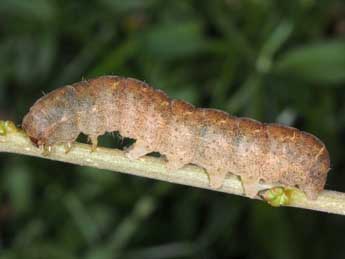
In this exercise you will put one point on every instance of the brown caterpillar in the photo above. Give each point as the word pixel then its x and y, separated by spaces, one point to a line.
pixel 209 138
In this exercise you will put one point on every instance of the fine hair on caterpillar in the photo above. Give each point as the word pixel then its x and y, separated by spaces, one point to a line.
pixel 210 138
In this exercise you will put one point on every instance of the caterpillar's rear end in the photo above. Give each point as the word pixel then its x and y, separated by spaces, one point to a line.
pixel 212 139
pixel 301 159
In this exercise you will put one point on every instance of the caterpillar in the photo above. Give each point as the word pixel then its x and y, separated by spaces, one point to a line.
pixel 212 139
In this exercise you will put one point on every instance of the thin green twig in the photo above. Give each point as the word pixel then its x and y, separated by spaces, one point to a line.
pixel 13 140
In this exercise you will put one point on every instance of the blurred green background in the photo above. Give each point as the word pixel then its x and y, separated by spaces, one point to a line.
pixel 275 61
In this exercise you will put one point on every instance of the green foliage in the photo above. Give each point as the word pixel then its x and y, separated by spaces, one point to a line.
pixel 274 61
pixel 276 196
pixel 322 62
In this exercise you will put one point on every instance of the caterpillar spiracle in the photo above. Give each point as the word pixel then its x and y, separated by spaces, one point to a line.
pixel 212 139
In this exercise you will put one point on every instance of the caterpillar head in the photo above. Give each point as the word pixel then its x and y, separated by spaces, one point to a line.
pixel 34 129
pixel 50 120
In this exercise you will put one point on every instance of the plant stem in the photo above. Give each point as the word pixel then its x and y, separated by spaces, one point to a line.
pixel 15 141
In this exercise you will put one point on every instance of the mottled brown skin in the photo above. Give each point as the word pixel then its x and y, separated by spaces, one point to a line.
pixel 209 138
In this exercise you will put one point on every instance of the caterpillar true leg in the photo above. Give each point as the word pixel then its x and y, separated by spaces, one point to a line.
pixel 68 146
pixel 94 142
pixel 46 149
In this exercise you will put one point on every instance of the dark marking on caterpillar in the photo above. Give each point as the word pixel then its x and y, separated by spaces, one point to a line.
pixel 210 138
